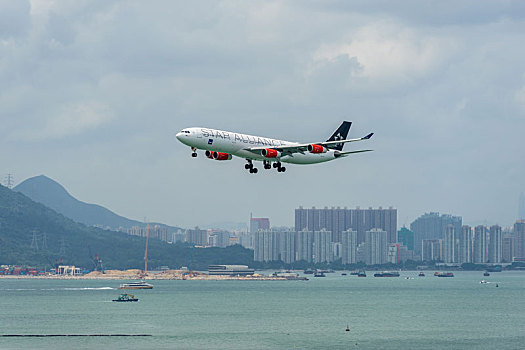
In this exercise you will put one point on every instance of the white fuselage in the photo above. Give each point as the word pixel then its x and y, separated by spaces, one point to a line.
pixel 236 144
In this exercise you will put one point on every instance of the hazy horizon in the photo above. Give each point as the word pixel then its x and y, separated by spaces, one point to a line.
pixel 94 93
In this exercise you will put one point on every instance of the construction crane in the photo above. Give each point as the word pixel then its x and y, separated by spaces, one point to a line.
pixel 146 251
pixel 96 260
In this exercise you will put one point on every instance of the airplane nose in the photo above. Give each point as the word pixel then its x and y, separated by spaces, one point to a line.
pixel 178 136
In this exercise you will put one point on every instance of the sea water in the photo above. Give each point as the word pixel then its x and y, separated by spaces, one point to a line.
pixel 381 313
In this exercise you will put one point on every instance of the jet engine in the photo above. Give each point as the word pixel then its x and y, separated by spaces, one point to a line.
pixel 209 154
pixel 316 149
pixel 270 153
pixel 221 156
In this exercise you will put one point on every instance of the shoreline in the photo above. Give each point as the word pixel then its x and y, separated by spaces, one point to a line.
pixel 134 275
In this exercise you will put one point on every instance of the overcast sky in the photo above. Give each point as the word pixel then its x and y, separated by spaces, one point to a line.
pixel 93 92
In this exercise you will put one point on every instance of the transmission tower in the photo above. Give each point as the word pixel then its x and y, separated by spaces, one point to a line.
pixel 34 241
pixel 9 181
pixel 44 241
pixel 62 250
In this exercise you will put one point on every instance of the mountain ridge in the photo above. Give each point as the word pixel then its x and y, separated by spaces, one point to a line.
pixel 52 194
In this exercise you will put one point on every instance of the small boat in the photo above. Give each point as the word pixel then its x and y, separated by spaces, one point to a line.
pixel 347 328
pixel 308 272
pixel 343 274
pixel 136 285
pixel 486 273
pixel 125 298
pixel 319 274
pixel 421 274
pixel 361 273
pixel 483 282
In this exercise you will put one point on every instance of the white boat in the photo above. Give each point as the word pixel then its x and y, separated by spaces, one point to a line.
pixel 136 285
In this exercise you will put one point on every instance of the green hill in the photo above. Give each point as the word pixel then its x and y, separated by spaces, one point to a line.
pixel 21 219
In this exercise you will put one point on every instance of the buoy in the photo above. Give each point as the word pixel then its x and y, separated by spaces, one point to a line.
pixel 347 328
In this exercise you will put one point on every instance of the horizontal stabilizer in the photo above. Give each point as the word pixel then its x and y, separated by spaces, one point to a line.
pixel 342 154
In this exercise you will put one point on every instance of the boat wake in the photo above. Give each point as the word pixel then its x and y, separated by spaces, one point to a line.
pixel 87 288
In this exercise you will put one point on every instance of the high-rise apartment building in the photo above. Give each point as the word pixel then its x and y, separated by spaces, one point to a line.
pixel 406 237
pixel 465 245
pixel 449 245
pixel 322 246
pixel 197 236
pixel 507 247
pixel 257 224
pixel 349 243
pixel 376 242
pixel 266 245
pixel 431 250
pixel 219 239
pixel 304 244
pixel 479 246
pixel 495 246
pixel 519 239
pixel 338 220
pixel 287 251
pixel 398 253
pixel 431 226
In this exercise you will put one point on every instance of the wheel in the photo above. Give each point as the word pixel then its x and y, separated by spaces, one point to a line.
pixel 246 166
pixel 279 170
pixel 274 165
pixel 267 166
pixel 283 169
pixel 255 170
pixel 251 171
pixel 194 154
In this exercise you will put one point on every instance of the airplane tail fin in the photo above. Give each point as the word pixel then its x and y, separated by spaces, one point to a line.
pixel 340 134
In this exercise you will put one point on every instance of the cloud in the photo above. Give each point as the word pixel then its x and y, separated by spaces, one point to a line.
pixel 388 51
pixel 71 120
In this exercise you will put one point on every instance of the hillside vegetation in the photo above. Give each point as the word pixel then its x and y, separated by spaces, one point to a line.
pixel 21 219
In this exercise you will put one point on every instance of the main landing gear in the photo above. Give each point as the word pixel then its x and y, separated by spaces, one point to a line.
pixel 280 168
pixel 194 154
pixel 267 165
pixel 249 166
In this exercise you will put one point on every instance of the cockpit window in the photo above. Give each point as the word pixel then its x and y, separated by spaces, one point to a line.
pixel 185 131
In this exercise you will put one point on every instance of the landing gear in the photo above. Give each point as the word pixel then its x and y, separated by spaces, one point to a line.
pixel 280 168
pixel 267 164
pixel 194 154
pixel 249 166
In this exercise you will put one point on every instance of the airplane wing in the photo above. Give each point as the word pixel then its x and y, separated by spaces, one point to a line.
pixel 302 148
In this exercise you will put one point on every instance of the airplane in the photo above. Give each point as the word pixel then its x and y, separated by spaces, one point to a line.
pixel 223 145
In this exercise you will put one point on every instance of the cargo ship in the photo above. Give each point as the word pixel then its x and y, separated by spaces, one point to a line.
pixel 289 276
pixel 387 274
pixel 444 274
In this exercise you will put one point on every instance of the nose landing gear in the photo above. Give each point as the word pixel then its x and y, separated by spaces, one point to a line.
pixel 194 154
